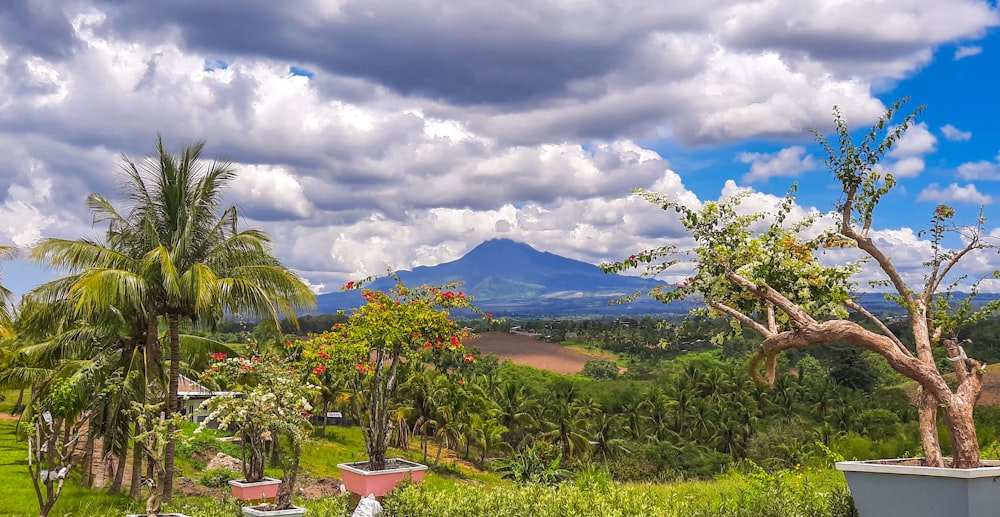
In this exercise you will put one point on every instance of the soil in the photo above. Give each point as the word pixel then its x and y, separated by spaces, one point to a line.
pixel 989 397
pixel 528 351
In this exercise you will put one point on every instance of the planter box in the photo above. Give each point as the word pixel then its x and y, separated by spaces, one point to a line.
pixel 265 490
pixel 893 488
pixel 379 482
pixel 294 511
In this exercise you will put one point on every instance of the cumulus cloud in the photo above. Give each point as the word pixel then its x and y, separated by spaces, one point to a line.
pixel 954 193
pixel 416 134
pixel 981 170
pixel 788 162
pixel 908 153
pixel 953 134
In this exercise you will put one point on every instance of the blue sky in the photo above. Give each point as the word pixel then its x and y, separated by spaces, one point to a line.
pixel 382 133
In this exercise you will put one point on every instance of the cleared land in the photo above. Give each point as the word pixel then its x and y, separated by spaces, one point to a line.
pixel 529 351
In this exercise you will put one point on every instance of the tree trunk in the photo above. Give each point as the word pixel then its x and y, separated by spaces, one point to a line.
pixel 962 427
pixel 87 476
pixel 172 407
pixel 437 457
pixel 135 484
pixel 927 408
pixel 116 485
pixel 20 402
pixel 283 501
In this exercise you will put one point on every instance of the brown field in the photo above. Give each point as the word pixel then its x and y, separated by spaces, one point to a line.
pixel 528 351
pixel 990 395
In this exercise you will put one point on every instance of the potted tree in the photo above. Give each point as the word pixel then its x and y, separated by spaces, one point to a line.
pixel 154 428
pixel 379 340
pixel 766 273
pixel 270 408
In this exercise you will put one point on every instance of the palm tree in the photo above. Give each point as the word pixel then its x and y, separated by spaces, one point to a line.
pixel 174 255
pixel 5 297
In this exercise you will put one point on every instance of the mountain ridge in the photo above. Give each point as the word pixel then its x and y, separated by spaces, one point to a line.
pixel 510 278
pixel 513 279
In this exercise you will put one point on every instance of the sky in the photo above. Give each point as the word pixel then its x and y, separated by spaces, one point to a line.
pixel 375 134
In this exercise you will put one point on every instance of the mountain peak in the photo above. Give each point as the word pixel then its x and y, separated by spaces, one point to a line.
pixel 510 277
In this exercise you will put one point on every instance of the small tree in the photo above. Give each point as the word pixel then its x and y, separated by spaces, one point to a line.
pixel 54 434
pixel 271 407
pixel 392 328
pixel 154 430
pixel 765 274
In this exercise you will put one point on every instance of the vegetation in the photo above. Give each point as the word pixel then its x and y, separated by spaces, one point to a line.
pixel 773 282
pixel 270 408
pixel 373 346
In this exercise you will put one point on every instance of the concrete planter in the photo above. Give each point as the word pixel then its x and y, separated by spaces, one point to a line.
pixel 264 490
pixel 891 488
pixel 360 481
pixel 294 511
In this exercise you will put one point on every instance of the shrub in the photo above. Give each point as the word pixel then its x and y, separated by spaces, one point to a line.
pixel 600 369
pixel 218 477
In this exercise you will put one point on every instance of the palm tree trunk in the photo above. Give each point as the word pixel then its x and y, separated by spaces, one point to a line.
pixel 172 407
pixel 88 457
pixel 116 485
pixel 135 484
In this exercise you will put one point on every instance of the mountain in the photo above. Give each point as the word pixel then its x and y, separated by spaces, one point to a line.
pixel 509 278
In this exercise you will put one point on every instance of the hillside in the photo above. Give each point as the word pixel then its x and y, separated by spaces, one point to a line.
pixel 508 278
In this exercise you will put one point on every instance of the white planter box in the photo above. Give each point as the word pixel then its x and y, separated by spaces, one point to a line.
pixel 888 488
pixel 294 511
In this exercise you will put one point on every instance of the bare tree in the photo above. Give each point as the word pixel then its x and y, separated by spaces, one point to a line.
pixel 765 273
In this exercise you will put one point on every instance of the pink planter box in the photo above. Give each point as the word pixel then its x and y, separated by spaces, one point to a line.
pixel 380 482
pixel 265 490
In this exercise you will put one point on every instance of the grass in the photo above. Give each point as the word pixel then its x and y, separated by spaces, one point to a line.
pixel 455 484
pixel 592 349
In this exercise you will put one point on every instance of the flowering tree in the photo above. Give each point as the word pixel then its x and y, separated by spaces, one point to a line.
pixel 272 401
pixel 765 274
pixel 391 329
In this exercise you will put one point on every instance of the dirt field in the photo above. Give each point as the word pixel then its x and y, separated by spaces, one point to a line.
pixel 528 351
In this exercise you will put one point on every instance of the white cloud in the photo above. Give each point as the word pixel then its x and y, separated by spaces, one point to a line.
pixel 953 134
pixel 967 51
pixel 264 190
pixel 22 212
pixel 788 162
pixel 981 170
pixel 909 151
pixel 955 193
pixel 432 133
pixel 916 141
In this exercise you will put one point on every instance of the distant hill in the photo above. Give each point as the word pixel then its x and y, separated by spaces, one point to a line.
pixel 509 278
pixel 513 279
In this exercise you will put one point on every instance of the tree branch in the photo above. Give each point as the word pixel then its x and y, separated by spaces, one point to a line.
pixel 848 331
pixel 767 294
pixel 742 318
pixel 855 306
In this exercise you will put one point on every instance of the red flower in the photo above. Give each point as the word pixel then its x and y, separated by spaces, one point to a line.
pixel 319 370
pixel 348 285
pixel 288 344
pixel 455 341
pixel 427 344
pixel 324 355
pixel 219 356
pixel 462 382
